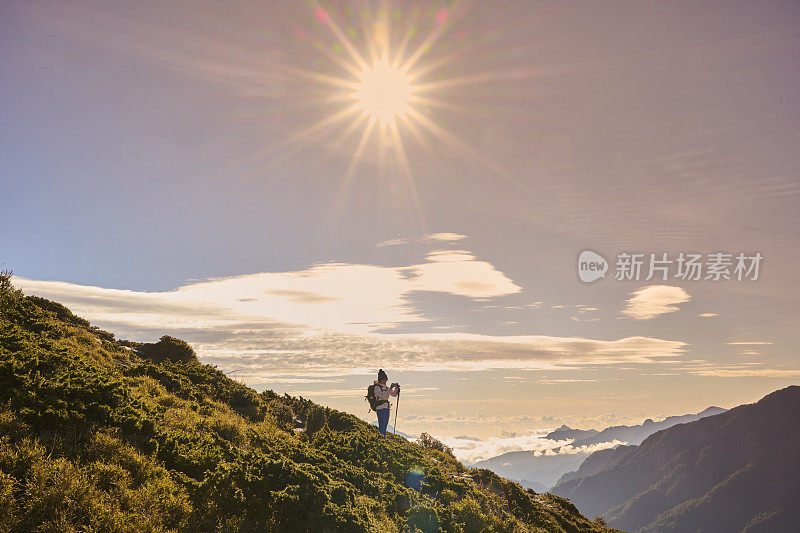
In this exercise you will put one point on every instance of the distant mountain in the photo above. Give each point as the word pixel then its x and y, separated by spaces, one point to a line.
pixel 532 468
pixel 736 471
pixel 533 485
pixel 548 469
pixel 537 487
pixel 636 434
pixel 567 433
pixel 596 462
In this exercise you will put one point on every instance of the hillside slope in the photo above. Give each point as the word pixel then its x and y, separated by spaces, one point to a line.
pixel 736 471
pixel 104 435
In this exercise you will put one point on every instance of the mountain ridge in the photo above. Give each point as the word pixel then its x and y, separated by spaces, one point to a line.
pixel 734 471
pixel 547 470
pixel 567 433
pixel 637 433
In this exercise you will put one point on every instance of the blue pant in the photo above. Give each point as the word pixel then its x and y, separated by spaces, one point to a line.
pixel 383 419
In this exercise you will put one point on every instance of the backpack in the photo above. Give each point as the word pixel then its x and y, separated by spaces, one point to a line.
pixel 373 400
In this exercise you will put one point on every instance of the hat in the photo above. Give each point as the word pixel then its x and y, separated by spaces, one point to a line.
pixel 382 375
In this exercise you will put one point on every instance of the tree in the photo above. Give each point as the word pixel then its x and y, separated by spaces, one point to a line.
pixel 427 441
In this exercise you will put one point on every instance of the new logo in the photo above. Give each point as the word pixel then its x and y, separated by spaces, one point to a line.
pixel 591 266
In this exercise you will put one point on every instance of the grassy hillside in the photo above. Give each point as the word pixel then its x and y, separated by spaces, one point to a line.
pixel 104 435
pixel 736 471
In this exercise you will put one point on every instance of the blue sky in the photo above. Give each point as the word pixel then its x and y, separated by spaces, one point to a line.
pixel 169 169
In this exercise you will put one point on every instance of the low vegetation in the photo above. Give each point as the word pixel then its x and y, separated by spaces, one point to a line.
pixel 98 434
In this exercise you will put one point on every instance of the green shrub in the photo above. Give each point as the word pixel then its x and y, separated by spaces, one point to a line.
pixel 8 486
pixel 168 349
pixel 316 419
pixel 424 519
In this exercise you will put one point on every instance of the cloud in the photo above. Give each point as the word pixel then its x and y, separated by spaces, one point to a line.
pixel 748 343
pixel 264 354
pixel 355 393
pixel 445 237
pixel 472 450
pixel 338 319
pixel 707 315
pixel 654 300
pixel 293 381
pixel 746 373
pixel 748 369
pixel 345 297
pixel 547 381
pixel 298 297
pixel 332 319
pixel 431 238
pixel 560 381
pixel 450 256
pixel 392 242
pixel 534 305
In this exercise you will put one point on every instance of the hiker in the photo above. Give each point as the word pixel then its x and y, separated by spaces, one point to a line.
pixel 378 397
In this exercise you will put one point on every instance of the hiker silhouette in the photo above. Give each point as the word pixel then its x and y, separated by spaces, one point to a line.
pixel 378 396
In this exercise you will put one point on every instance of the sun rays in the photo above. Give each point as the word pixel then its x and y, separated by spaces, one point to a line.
pixel 384 84
pixel 388 92
pixel 380 80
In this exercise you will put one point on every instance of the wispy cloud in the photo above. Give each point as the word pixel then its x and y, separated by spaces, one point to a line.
pixel 264 354
pixel 654 300
pixel 392 242
pixel 293 381
pixel 746 372
pixel 431 238
pixel 746 369
pixel 337 319
pixel 753 343
pixel 355 393
pixel 568 380
pixel 707 315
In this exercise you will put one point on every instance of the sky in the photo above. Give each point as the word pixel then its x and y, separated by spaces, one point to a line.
pixel 307 192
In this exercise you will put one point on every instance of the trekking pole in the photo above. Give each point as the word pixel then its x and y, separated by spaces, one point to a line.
pixel 396 408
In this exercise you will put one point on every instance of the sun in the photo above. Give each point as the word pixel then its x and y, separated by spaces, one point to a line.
pixel 386 79
pixel 384 92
